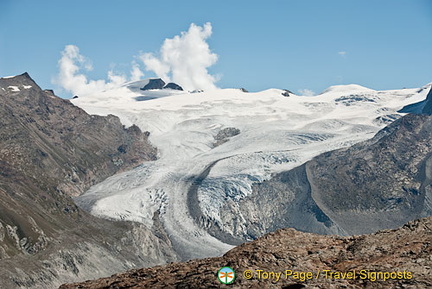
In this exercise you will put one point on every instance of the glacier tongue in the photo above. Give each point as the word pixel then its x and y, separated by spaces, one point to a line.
pixel 276 133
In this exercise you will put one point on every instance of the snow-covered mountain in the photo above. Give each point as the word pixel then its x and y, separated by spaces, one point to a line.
pixel 196 174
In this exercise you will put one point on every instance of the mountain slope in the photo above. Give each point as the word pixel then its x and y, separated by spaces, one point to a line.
pixel 381 183
pixel 404 254
pixel 376 184
pixel 51 150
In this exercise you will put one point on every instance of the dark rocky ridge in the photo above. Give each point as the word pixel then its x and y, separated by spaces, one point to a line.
pixel 407 249
pixel 51 150
pixel 422 107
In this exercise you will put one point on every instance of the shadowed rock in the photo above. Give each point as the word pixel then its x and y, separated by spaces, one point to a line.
pixel 154 84
pixel 173 85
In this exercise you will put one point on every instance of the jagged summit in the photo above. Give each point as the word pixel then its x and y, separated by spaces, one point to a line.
pixel 17 83
pixel 25 75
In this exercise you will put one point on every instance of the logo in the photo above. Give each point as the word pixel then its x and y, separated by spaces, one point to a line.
pixel 226 275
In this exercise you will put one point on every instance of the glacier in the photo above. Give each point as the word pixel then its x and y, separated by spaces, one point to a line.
pixel 277 133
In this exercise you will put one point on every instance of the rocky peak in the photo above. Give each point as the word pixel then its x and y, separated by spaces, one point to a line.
pixel 173 85
pixel 156 83
pixel 17 83
pixel 24 78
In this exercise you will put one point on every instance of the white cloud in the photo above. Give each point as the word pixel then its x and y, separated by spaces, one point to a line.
pixel 115 79
pixel 136 73
pixel 160 68
pixel 306 92
pixel 71 78
pixel 342 53
pixel 185 59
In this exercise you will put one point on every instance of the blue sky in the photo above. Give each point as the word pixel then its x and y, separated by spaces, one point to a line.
pixel 297 45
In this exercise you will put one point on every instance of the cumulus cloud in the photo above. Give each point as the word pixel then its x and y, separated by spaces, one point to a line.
pixel 136 73
pixel 306 92
pixel 185 59
pixel 71 78
pixel 342 53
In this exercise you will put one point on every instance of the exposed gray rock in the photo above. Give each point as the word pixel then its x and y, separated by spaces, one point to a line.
pixel 173 85
pixel 286 93
pixel 224 134
pixel 156 83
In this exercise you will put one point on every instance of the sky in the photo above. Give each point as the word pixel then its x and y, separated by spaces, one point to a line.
pixel 303 45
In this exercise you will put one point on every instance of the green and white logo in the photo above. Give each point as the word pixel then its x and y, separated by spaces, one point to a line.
pixel 226 275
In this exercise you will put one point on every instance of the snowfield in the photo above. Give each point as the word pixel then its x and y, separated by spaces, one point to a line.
pixel 277 133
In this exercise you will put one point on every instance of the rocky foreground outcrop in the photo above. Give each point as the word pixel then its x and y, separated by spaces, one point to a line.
pixel 51 150
pixel 400 258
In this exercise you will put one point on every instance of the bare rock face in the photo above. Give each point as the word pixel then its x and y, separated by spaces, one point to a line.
pixel 403 257
pixel 224 134
pixel 51 150
pixel 173 85
pixel 156 83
